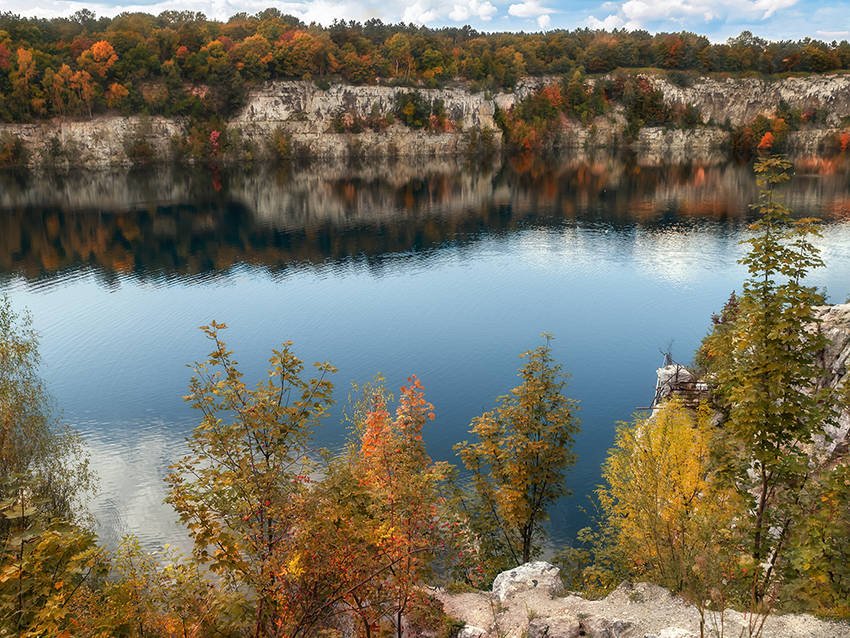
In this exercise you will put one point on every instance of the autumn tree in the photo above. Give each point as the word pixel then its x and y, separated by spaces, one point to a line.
pixel 44 480
pixel 403 486
pixel 669 516
pixel 115 94
pixel 763 368
pixel 517 463
pixel 239 489
pixel 98 59
pixel 84 89
pixel 22 78
pixel 377 527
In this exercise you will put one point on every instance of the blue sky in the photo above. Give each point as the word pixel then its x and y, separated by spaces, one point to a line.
pixel 718 19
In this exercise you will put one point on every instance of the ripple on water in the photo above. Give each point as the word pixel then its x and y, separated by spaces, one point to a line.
pixel 131 459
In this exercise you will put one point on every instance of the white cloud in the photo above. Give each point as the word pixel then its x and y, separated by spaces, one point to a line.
pixel 528 9
pixel 544 20
pixel 610 22
pixel 473 8
pixel 419 13
pixel 772 6
pixel 322 11
pixel 639 13
pixel 833 34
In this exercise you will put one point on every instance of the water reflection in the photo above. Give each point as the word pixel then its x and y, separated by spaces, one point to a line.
pixel 438 268
pixel 161 223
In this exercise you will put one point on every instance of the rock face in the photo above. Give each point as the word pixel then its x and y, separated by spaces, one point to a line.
pixel 835 325
pixel 307 113
pixel 681 145
pixel 308 108
pixel 98 142
pixel 740 100
pixel 539 576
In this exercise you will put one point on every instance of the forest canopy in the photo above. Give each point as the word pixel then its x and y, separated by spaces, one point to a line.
pixel 181 63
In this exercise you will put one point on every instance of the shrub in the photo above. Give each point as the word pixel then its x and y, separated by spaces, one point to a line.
pixel 280 144
pixel 13 152
pixel 412 109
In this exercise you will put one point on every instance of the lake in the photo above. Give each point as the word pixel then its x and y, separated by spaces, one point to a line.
pixel 443 269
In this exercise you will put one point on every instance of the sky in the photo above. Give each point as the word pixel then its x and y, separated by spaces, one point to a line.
pixel 718 19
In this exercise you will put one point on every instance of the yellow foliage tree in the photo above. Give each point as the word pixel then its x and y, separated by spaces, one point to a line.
pixel 518 463
pixel 668 516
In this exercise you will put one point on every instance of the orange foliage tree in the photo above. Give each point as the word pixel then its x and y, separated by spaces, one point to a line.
pixel 376 526
pixel 98 58
pixel 766 142
pixel 523 449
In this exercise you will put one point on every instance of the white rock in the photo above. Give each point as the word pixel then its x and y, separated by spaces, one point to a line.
pixel 472 632
pixel 538 575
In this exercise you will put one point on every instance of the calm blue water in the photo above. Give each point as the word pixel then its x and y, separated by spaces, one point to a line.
pixel 440 270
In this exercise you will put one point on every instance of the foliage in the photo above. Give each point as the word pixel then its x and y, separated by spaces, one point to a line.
pixel 818 578
pixel 38 455
pixel 280 144
pixel 523 449
pixel 762 362
pixel 44 481
pixel 380 522
pixel 669 518
pixel 12 151
pixel 181 63
pixel 239 489
pixel 412 109
pixel 43 567
pixel 155 594
pixel 659 499
pixel 593 563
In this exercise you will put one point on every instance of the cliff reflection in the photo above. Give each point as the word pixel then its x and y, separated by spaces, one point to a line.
pixel 165 223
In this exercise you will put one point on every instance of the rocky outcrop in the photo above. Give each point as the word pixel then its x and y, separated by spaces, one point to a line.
pixel 834 441
pixel 835 359
pixel 307 114
pixel 681 145
pixel 631 611
pixel 99 142
pixel 309 109
pixel 539 576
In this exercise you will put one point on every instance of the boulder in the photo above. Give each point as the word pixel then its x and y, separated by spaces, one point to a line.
pixel 538 576
pixel 596 627
pixel 563 627
pixel 472 632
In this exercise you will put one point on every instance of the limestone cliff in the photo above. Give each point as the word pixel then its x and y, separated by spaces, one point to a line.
pixel 308 113
pixel 740 100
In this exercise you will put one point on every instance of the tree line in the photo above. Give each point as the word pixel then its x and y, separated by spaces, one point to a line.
pixel 729 504
pixel 181 63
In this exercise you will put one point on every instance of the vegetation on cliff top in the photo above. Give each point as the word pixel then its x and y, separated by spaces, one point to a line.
pixel 181 63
